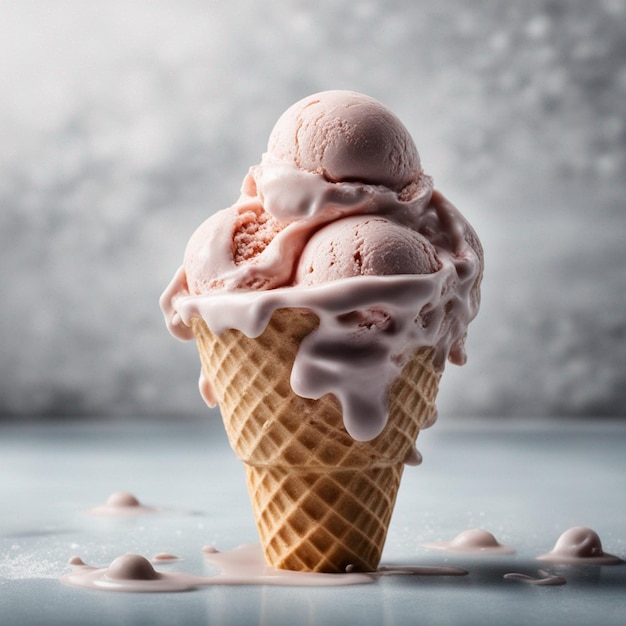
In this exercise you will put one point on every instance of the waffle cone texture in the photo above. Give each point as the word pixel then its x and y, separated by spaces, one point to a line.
pixel 321 500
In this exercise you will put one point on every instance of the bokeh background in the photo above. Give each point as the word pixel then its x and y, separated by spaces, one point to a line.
pixel 123 125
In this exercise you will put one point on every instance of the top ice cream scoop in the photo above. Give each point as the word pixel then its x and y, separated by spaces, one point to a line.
pixel 331 155
pixel 346 136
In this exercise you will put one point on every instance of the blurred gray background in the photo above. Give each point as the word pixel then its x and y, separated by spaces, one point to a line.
pixel 123 125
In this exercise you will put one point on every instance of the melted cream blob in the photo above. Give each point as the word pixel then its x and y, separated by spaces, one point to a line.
pixel 121 504
pixel 165 557
pixel 414 457
pixel 474 540
pixel 580 546
pixel 131 567
pixel 206 391
pixel 128 573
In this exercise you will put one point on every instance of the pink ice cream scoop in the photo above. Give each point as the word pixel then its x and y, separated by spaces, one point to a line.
pixel 330 156
pixel 364 246
pixel 346 136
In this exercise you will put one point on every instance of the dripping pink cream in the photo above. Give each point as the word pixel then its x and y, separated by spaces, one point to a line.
pixel 353 360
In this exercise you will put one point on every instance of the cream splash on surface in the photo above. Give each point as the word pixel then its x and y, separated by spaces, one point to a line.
pixel 580 545
pixel 122 504
pixel 128 573
pixel 474 541
pixel 245 565
pixel 165 557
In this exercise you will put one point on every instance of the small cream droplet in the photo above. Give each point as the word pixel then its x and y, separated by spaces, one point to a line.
pixel 413 458
pixel 164 556
pixel 122 499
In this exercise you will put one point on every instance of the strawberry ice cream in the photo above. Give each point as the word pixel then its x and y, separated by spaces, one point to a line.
pixel 369 245
pixel 339 194
pixel 325 303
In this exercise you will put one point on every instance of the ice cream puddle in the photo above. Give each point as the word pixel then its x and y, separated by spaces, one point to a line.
pixel 545 578
pixel 248 560
pixel 579 546
pixel 244 565
pixel 122 504
pixel 474 541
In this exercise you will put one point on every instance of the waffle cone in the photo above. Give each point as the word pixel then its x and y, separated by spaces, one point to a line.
pixel 322 501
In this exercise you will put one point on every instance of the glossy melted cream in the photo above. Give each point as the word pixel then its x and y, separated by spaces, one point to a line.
pixel 243 566
pixel 580 546
pixel 246 565
pixel 130 573
pixel 165 557
pixel 122 504
pixel 354 362
pixel 474 541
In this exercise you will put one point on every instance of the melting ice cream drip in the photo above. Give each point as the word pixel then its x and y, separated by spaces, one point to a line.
pixel 414 457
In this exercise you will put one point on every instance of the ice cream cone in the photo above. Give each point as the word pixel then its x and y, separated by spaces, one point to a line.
pixel 322 501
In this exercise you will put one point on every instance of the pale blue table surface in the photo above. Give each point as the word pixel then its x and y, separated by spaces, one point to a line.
pixel 526 481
